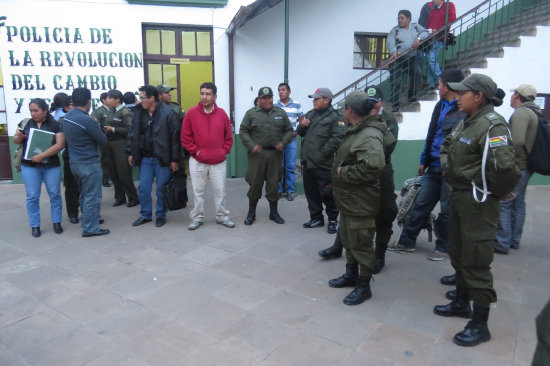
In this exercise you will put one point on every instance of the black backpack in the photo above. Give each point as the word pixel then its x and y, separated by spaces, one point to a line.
pixel 539 156
pixel 175 192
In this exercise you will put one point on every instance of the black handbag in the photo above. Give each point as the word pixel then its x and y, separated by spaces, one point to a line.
pixel 175 192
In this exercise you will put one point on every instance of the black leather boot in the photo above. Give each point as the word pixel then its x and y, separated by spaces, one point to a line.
pixel 274 214
pixel 348 279
pixel 448 280
pixel 451 295
pixel 335 251
pixel 251 215
pixel 476 331
pixel 360 293
pixel 459 307
pixel 379 263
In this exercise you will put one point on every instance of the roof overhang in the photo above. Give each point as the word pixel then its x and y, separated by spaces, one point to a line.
pixel 246 13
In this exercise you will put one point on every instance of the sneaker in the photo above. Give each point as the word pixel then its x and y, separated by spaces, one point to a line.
pixel 290 196
pixel 437 256
pixel 397 247
pixel 226 222
pixel 194 225
pixel 313 223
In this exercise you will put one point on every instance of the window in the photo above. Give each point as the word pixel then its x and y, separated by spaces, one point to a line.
pixel 369 50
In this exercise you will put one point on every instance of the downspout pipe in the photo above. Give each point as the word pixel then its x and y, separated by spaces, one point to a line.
pixel 231 61
pixel 287 16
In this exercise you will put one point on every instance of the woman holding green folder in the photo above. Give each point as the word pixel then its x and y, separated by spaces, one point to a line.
pixel 42 167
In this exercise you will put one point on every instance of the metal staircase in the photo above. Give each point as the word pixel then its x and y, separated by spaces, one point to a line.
pixel 480 33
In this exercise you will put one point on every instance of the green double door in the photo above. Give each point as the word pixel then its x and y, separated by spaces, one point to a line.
pixel 180 57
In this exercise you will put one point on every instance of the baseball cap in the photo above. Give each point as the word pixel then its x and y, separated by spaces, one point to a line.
pixel 356 98
pixel 265 91
pixel 374 93
pixel 477 82
pixel 162 88
pixel 322 93
pixel 526 90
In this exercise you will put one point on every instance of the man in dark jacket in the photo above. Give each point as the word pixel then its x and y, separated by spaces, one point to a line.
pixel 434 187
pixel 154 145
pixel 322 131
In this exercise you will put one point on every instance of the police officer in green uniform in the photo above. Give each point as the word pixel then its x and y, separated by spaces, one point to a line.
pixel 322 130
pixel 355 183
pixel 265 131
pixel 99 114
pixel 116 127
pixel 478 163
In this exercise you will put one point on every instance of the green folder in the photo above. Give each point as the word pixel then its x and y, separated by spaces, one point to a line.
pixel 38 142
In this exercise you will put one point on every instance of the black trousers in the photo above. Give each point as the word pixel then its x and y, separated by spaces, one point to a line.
pixel 71 187
pixel 318 190
pixel 388 211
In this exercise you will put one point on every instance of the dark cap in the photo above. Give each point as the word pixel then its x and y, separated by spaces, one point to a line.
pixel 164 88
pixel 477 82
pixel 265 91
pixel 322 93
pixel 356 98
pixel 374 93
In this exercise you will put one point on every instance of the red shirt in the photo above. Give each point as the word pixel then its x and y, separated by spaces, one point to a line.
pixel 436 19
pixel 207 137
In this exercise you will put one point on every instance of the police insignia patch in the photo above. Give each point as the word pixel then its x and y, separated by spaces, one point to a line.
pixel 266 91
pixel 498 141
pixel 340 123
pixel 371 92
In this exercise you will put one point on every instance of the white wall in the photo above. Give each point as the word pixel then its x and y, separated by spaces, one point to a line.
pixel 321 45
pixel 123 19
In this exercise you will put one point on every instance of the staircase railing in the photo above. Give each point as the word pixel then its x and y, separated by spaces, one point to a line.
pixel 477 34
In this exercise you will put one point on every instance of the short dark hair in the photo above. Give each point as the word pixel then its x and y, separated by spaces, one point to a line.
pixel 451 76
pixel 209 85
pixel 115 94
pixel 81 97
pixel 405 13
pixel 68 102
pixel 41 103
pixel 129 97
pixel 150 91
pixel 255 101
pixel 103 96
pixel 285 85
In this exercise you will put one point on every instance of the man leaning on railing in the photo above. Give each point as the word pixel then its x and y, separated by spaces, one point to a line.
pixel 401 38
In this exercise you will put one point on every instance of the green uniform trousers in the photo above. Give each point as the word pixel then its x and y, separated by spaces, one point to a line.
pixel 356 233
pixel 472 235
pixel 542 352
pixel 264 166
pixel 104 164
pixel 119 170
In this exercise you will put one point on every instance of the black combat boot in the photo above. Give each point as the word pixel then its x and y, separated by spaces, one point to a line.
pixel 348 279
pixel 448 280
pixel 273 214
pixel 335 251
pixel 360 293
pixel 251 216
pixel 379 263
pixel 476 331
pixel 459 307
pixel 451 295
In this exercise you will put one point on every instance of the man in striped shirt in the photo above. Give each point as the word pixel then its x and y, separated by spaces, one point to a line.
pixel 294 112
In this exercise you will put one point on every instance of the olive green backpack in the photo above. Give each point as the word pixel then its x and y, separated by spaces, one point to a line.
pixel 18 156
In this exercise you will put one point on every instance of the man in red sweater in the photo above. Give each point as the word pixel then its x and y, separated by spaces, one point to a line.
pixel 432 17
pixel 206 134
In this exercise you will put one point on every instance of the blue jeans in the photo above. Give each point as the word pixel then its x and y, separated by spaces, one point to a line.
pixel 512 215
pixel 32 178
pixel 289 166
pixel 88 177
pixel 434 188
pixel 434 70
pixel 148 170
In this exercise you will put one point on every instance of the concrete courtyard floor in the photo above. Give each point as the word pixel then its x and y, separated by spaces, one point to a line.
pixel 253 295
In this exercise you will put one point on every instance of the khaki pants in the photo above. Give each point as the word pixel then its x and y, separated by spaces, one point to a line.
pixel 200 173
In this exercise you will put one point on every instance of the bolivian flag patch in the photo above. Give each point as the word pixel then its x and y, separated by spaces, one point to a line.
pixel 498 141
pixel 341 124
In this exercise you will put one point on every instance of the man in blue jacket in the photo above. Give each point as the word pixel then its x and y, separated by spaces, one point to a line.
pixel 434 187
pixel 83 135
